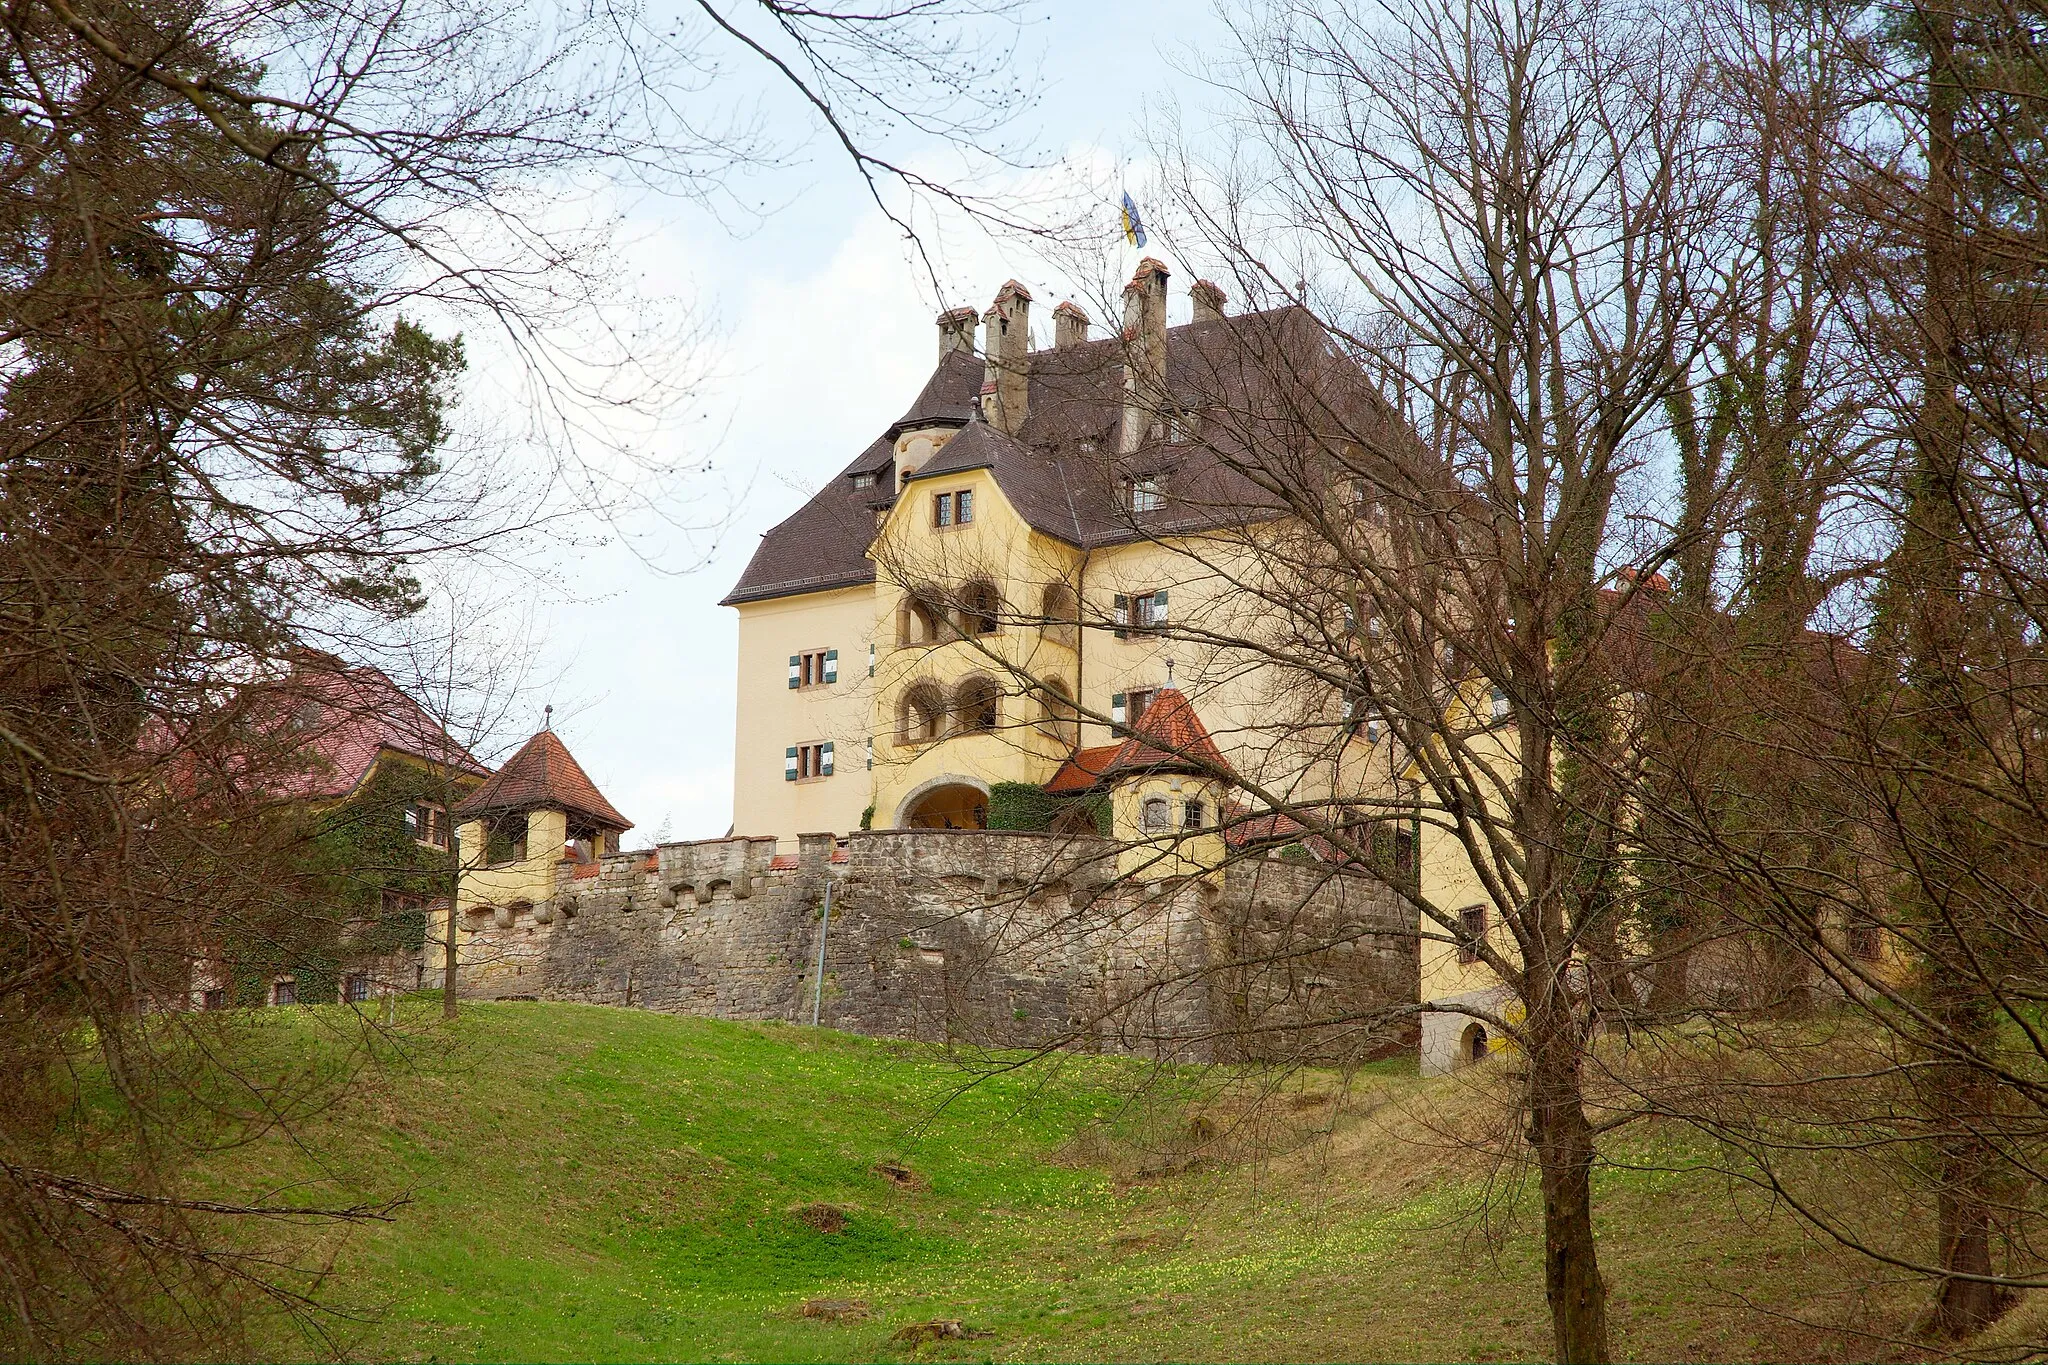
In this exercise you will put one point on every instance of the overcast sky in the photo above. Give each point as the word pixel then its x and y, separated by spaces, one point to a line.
pixel 823 334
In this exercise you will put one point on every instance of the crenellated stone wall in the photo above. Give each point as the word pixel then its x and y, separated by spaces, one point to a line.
pixel 982 937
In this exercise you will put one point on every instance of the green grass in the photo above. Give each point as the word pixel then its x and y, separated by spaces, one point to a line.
pixel 603 1184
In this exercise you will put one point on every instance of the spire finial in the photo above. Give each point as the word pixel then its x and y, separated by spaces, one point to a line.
pixel 547 714
pixel 1169 672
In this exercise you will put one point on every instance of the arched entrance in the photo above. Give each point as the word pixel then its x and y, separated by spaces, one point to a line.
pixel 1472 1045
pixel 946 805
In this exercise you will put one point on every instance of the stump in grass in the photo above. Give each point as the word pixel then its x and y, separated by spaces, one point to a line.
pixel 829 1219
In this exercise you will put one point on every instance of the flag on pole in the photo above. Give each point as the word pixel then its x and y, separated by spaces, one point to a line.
pixel 1134 230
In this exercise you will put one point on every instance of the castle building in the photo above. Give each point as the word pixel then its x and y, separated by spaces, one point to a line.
pixel 978 603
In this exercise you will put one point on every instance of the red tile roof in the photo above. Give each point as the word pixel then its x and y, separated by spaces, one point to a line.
pixel 1168 737
pixel 544 773
pixel 313 736
pixel 1083 770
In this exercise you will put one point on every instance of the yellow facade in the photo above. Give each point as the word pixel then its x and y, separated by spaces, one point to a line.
pixel 773 716
pixel 1033 636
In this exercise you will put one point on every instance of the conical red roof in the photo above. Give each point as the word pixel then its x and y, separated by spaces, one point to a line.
pixel 1168 737
pixel 544 774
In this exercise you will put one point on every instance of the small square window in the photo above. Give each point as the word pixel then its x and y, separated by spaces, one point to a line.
pixel 356 988
pixel 1471 932
pixel 808 761
pixel 428 824
pixel 864 480
pixel 1195 816
pixel 215 999
pixel 1153 815
pixel 942 509
pixel 285 992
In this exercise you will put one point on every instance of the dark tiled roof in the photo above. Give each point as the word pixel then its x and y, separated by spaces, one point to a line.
pixel 544 774
pixel 949 396
pixel 1169 737
pixel 1257 381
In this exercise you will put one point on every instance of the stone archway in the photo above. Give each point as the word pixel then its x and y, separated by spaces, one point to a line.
pixel 945 803
pixel 1473 1044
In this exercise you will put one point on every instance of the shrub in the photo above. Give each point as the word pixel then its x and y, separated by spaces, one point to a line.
pixel 1021 805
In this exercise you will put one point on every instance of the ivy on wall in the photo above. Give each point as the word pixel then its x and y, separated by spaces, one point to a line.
pixel 362 879
pixel 1023 806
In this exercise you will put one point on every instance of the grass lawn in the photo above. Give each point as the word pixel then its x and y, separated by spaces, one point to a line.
pixel 600 1184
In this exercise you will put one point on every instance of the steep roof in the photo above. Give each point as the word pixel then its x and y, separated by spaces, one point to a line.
pixel 1169 737
pixel 344 718
pixel 315 733
pixel 544 774
pixel 1251 383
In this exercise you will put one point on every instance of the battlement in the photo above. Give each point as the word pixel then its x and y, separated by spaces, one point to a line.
pixel 996 937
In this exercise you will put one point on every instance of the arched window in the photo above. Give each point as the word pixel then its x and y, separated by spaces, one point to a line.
pixel 1061 613
pixel 1060 722
pixel 919 713
pixel 1472 1045
pixel 1154 816
pixel 1195 816
pixel 981 609
pixel 977 706
pixel 919 621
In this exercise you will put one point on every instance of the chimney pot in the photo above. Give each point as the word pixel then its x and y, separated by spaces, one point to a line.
pixel 1145 353
pixel 956 331
pixel 1069 325
pixel 1006 348
pixel 1208 301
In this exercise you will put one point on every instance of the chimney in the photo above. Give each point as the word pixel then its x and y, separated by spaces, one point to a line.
pixel 1144 339
pixel 1006 345
pixel 1069 325
pixel 1208 301
pixel 956 331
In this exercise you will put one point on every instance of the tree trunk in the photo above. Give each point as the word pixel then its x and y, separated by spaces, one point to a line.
pixel 448 967
pixel 1563 1140
pixel 1963 1097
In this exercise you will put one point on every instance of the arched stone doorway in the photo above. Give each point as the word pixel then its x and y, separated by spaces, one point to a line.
pixel 1472 1045
pixel 946 805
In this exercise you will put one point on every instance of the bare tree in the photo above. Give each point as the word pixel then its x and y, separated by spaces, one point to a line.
pixel 226 431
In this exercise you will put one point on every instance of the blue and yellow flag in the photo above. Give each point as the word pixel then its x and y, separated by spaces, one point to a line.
pixel 1134 231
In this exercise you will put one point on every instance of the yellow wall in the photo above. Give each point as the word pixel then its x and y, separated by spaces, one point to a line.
pixel 483 886
pixel 1176 852
pixel 999 548
pixel 772 716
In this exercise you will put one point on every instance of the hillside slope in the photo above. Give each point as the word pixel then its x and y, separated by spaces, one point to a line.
pixel 589 1183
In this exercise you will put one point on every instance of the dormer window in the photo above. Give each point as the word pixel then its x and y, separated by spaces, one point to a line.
pixel 865 479
pixel 1144 495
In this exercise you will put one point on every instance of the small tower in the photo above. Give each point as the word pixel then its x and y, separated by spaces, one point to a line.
pixel 1167 785
pixel 537 811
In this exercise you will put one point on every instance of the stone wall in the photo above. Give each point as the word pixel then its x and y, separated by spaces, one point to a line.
pixel 981 937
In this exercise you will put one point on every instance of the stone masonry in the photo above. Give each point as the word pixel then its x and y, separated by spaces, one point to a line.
pixel 978 937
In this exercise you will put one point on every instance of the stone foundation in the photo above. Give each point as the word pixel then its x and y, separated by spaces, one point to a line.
pixel 986 938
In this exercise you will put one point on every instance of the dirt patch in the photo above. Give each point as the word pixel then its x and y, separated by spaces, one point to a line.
pixel 829 1219
pixel 835 1310
pixel 897 1174
pixel 938 1329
